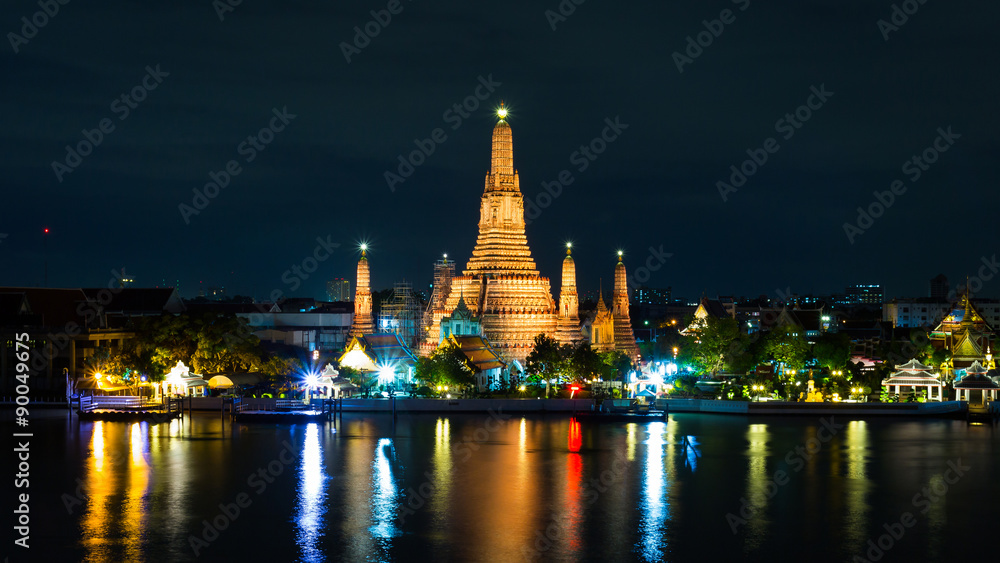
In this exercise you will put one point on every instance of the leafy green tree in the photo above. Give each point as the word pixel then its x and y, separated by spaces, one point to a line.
pixel 714 343
pixel 446 366
pixel 584 364
pixel 547 358
pixel 787 346
pixel 616 365
pixel 833 350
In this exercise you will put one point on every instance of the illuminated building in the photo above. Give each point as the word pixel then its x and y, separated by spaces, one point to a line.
pixel 363 322
pixel 501 285
pixel 624 338
pixel 965 334
pixel 568 322
pixel 602 330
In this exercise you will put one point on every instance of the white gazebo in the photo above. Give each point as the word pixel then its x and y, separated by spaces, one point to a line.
pixel 329 383
pixel 975 387
pixel 913 375
pixel 180 381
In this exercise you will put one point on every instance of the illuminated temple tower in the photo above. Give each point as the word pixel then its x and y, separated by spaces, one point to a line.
pixel 362 322
pixel 500 282
pixel 624 338
pixel 568 324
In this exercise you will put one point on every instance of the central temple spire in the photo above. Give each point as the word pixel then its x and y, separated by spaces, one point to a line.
pixel 501 248
pixel 503 147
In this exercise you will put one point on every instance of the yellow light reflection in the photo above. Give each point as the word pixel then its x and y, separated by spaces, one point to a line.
pixel 442 467
pixel 135 509
pixel 857 484
pixel 97 445
pixel 757 482
pixel 631 440
pixel 311 498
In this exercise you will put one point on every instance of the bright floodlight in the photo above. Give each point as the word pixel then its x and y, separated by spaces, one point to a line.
pixel 312 380
pixel 364 246
pixel 386 375
pixel 620 252
pixel 502 112
pixel 569 245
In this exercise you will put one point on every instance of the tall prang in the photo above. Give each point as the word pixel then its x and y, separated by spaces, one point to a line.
pixel 500 282
pixel 362 323
pixel 568 324
pixel 624 337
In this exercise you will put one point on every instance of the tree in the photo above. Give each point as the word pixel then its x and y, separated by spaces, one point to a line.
pixel 546 360
pixel 616 364
pixel 449 366
pixel 787 346
pixel 832 350
pixel 714 344
pixel 584 364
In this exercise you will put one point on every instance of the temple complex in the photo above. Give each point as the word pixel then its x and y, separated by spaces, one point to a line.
pixel 501 286
pixel 966 336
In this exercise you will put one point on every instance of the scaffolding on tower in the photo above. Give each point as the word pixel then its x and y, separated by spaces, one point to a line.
pixel 444 271
pixel 402 315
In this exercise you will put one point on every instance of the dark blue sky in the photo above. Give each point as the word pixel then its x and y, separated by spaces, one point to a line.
pixel 653 186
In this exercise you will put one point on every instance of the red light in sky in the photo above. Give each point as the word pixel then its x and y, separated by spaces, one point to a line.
pixel 46 230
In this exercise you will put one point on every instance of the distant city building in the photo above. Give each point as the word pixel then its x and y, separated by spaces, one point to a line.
pixel 863 294
pixel 338 289
pixel 653 296
pixel 939 287
pixel 927 312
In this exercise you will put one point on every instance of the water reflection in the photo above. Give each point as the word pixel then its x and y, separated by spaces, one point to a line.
pixel 757 483
pixel 575 438
pixel 96 488
pixel 385 494
pixel 311 497
pixel 572 510
pixel 135 513
pixel 858 485
pixel 655 510
pixel 442 468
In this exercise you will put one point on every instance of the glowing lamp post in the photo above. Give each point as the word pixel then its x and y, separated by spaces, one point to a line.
pixel 573 391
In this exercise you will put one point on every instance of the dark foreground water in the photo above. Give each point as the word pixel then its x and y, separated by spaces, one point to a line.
pixel 476 488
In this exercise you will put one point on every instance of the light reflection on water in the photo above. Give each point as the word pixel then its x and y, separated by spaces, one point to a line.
pixel 655 509
pixel 149 487
pixel 311 498
pixel 385 495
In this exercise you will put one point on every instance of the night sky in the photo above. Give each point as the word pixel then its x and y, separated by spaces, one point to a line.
pixel 214 83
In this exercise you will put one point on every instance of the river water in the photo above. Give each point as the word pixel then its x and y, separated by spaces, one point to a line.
pixel 498 487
